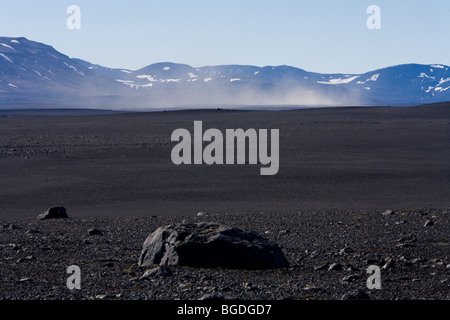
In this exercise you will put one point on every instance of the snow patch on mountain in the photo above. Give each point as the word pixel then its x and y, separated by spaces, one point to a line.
pixel 5 57
pixel 339 80
pixel 424 75
pixel 5 45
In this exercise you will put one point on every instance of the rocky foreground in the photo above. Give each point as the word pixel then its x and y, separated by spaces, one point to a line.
pixel 328 255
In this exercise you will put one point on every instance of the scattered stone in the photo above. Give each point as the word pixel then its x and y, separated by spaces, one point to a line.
pixel 13 227
pixel 346 250
pixel 405 245
pixel 389 264
pixel 335 267
pixel 322 267
pixel 250 286
pixel 107 296
pixel 316 253
pixel 312 289
pixel 210 245
pixel 32 231
pixel 14 246
pixel 160 271
pixel 54 213
pixel 212 297
pixel 429 223
pixel 95 232
pixel 351 268
pixel 388 212
pixel 202 214
pixel 356 295
pixel 351 278
pixel 408 239
pixel 27 258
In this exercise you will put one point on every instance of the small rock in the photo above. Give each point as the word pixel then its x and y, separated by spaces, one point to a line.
pixel 346 250
pixel 27 258
pixel 351 268
pixel 429 223
pixel 107 296
pixel 335 267
pixel 388 212
pixel 312 289
pixel 54 213
pixel 14 246
pixel 14 227
pixel 351 278
pixel 316 253
pixel 321 267
pixel 202 214
pixel 408 239
pixel 160 271
pixel 250 286
pixel 212 297
pixel 356 295
pixel 389 264
pixel 95 232
pixel 405 245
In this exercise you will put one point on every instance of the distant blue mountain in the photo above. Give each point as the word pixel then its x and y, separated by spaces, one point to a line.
pixel 33 73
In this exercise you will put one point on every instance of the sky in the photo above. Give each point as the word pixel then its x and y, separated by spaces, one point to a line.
pixel 327 36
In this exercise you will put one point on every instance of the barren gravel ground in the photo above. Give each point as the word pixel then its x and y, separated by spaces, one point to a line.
pixel 35 256
pixel 339 170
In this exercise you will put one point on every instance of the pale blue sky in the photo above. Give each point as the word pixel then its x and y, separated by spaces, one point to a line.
pixel 328 36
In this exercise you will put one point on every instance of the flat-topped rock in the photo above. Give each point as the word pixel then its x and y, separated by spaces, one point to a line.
pixel 54 213
pixel 210 245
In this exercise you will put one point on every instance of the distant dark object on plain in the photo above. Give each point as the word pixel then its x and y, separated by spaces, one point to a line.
pixel 210 245
pixel 95 232
pixel 54 213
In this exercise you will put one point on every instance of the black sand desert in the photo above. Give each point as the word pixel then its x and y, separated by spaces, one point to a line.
pixel 340 169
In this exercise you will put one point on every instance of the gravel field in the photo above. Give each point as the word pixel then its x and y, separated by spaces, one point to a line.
pixel 328 253
pixel 340 170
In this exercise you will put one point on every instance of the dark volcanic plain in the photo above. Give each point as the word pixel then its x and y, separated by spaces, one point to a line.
pixel 340 168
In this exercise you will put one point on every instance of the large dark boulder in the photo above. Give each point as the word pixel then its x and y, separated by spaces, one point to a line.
pixel 210 245
pixel 54 213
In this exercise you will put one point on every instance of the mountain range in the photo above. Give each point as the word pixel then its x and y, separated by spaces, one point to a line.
pixel 34 74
